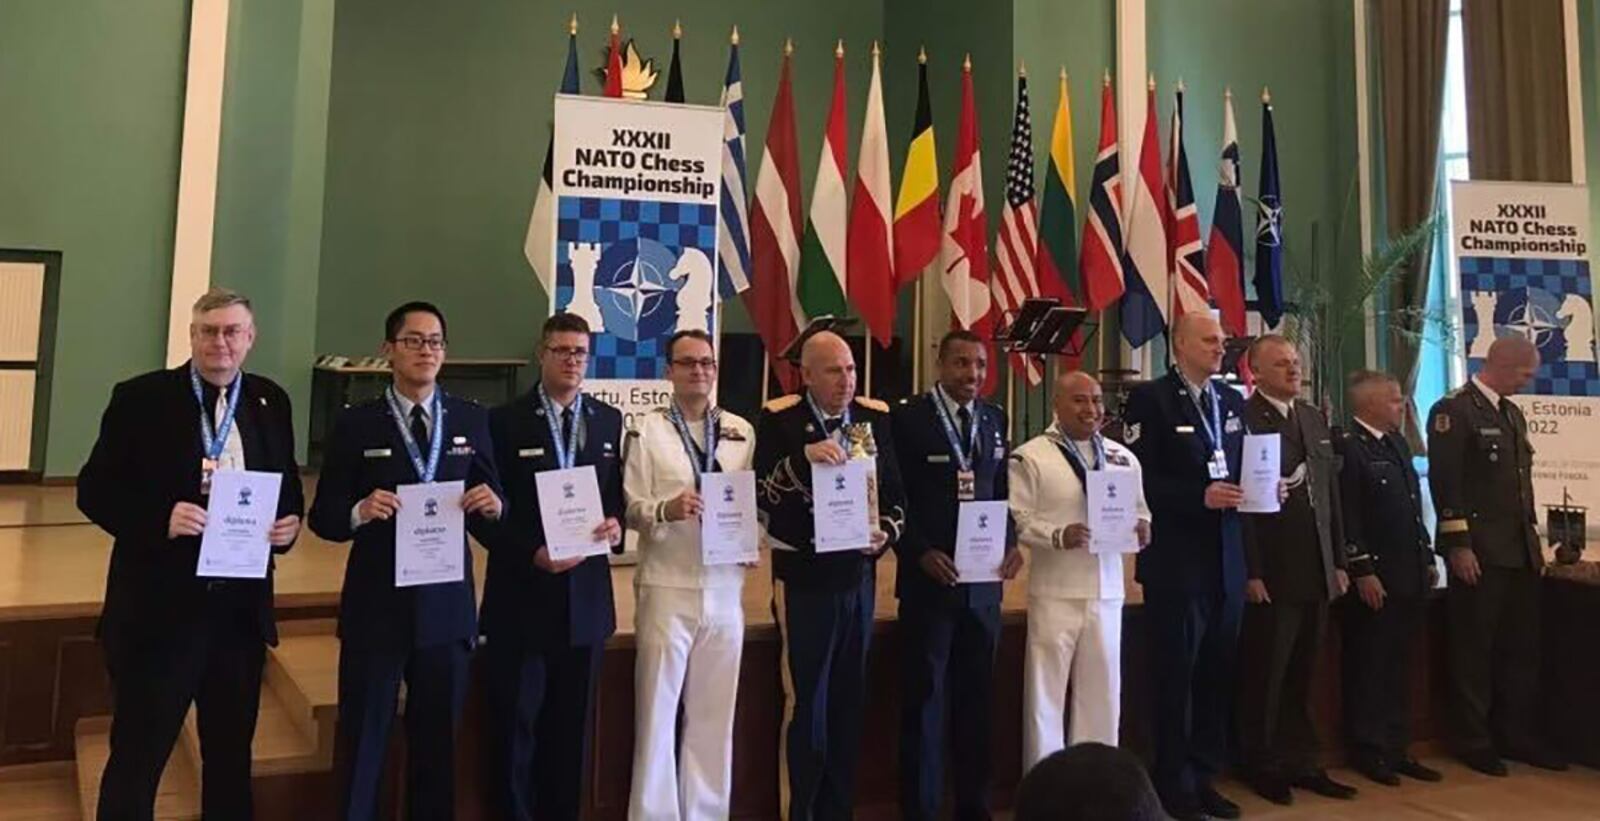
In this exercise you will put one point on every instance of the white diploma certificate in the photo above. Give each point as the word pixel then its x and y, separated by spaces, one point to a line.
pixel 729 533
pixel 570 508
pixel 1260 472
pixel 430 534
pixel 239 517
pixel 1113 502
pixel 980 541
pixel 839 510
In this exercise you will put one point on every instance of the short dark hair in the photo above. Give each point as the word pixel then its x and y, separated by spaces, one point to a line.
pixel 563 322
pixel 957 335
pixel 688 333
pixel 1262 341
pixel 1088 782
pixel 1361 378
pixel 397 318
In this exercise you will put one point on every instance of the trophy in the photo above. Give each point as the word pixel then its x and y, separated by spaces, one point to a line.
pixel 1565 526
pixel 863 446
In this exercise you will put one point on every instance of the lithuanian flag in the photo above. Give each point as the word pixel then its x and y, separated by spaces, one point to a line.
pixel 1058 213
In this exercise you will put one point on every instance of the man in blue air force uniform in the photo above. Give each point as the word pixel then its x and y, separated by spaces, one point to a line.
pixel 823 602
pixel 422 635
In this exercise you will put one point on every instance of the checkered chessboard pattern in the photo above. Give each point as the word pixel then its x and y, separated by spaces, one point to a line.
pixel 604 221
pixel 1559 277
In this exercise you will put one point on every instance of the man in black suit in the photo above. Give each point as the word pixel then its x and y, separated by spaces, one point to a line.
pixel 952 449
pixel 422 634
pixel 546 620
pixel 1294 562
pixel 823 602
pixel 1186 431
pixel 1391 563
pixel 172 638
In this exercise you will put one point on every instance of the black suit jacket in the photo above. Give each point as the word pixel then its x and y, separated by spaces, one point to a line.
pixel 366 452
pixel 928 470
pixel 522 603
pixel 1382 500
pixel 147 459
pixel 1192 548
pixel 1296 550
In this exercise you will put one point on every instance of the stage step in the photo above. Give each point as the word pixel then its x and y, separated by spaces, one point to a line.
pixel 178 797
pixel 39 792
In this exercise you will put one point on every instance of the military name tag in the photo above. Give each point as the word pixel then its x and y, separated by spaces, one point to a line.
pixel 938 458
pixel 966 486
pixel 530 453
pixel 377 453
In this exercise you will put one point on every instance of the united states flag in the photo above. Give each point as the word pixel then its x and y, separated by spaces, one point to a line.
pixel 1019 229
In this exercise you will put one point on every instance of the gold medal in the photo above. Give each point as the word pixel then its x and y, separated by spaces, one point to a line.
pixel 966 486
pixel 207 467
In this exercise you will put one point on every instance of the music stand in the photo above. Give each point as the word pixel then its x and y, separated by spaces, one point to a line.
pixel 1027 321
pixel 1057 332
pixel 826 322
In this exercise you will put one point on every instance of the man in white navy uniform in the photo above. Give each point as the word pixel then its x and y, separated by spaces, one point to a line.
pixel 689 625
pixel 1074 596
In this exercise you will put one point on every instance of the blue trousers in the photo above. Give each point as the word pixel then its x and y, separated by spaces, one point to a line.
pixel 1194 641
pixel 947 655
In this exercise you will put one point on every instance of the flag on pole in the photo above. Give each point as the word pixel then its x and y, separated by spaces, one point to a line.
pixel 964 247
pixel 916 213
pixel 822 254
pixel 539 244
pixel 1100 262
pixel 675 71
pixel 1187 253
pixel 775 233
pixel 1269 224
pixel 1144 306
pixel 1224 259
pixel 1058 213
pixel 1016 247
pixel 733 239
pixel 871 239
pixel 614 61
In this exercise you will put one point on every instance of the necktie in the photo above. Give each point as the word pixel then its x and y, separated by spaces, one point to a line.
pixel 419 426
pixel 831 425
pixel 566 426
pixel 966 426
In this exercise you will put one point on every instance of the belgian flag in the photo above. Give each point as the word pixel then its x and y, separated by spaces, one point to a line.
pixel 916 212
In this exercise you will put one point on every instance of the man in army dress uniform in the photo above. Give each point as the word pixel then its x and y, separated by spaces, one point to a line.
pixel 1482 483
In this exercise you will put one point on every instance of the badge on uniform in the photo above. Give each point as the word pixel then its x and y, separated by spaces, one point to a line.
pixel 1233 425
pixel 1217 466
pixel 966 486
pixel 377 453
pixel 1441 423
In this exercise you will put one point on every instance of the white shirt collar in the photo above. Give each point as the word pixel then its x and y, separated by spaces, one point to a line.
pixel 1488 392
pixel 406 405
pixel 953 406
pixel 1376 434
pixel 1279 405
pixel 560 406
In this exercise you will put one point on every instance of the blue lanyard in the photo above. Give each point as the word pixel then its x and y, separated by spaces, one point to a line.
pixel 1071 450
pixel 1212 425
pixel 215 443
pixel 425 470
pixel 964 458
pixel 704 462
pixel 822 421
pixel 566 451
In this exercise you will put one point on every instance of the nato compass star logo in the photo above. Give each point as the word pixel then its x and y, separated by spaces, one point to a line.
pixel 634 288
pixel 1269 222
pixel 244 496
pixel 1532 314
pixel 430 507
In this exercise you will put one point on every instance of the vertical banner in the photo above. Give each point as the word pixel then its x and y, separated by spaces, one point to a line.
pixel 1522 252
pixel 637 186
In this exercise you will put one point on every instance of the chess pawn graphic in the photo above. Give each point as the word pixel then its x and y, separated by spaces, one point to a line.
pixel 693 274
pixel 1577 317
pixel 584 257
pixel 865 448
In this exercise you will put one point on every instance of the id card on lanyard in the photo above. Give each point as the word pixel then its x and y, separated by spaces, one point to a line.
pixel 1217 465
pixel 966 477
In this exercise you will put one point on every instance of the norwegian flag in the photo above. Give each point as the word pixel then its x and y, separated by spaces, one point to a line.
pixel 1184 248
pixel 1018 242
pixel 1100 257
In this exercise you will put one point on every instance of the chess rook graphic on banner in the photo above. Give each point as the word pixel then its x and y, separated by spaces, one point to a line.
pixel 1522 254
pixel 637 186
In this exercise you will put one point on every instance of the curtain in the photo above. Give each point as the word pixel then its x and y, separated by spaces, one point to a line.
pixel 1411 53
pixel 1516 70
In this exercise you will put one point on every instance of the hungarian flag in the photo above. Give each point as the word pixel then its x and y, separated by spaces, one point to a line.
pixel 1224 259
pixel 775 233
pixel 1058 213
pixel 1017 245
pixel 1187 254
pixel 539 245
pixel 1100 263
pixel 1144 306
pixel 964 246
pixel 1269 224
pixel 916 212
pixel 614 61
pixel 733 220
pixel 822 257
pixel 871 239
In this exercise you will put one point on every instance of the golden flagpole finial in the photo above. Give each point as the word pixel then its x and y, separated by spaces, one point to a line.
pixel 922 55
pixel 838 49
pixel 1181 87
pixel 788 47
pixel 875 50
pixel 1105 79
pixel 1266 95
pixel 1063 74
pixel 1151 83
pixel 1022 68
pixel 1227 93
pixel 734 38
pixel 966 62
pixel 572 25
pixel 616 28
pixel 677 30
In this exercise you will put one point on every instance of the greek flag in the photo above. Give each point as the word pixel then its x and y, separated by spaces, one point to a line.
pixel 733 218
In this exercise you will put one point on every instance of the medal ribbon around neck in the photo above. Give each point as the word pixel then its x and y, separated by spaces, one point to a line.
pixel 822 421
pixel 704 462
pixel 964 457
pixel 425 470
pixel 566 451
pixel 215 442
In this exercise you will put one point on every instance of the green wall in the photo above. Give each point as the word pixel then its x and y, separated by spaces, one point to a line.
pixel 92 92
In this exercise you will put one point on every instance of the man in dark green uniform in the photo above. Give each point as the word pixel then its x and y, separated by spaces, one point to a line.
pixel 1481 478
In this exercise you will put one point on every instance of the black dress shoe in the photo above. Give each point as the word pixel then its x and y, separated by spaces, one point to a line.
pixel 1319 783
pixel 1412 768
pixel 1485 761
pixel 1273 789
pixel 1542 757
pixel 1217 805
pixel 1375 769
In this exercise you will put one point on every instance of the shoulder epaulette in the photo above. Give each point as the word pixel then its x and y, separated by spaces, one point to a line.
pixel 782 403
pixel 873 404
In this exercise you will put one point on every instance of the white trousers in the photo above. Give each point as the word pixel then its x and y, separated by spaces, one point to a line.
pixel 688 644
pixel 1076 642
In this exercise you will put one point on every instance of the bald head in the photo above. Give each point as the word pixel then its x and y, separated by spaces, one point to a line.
pixel 829 371
pixel 1197 345
pixel 1079 405
pixel 1510 365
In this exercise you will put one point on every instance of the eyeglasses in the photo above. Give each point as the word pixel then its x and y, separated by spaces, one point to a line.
pixel 229 333
pixel 567 354
pixel 417 343
pixel 707 364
